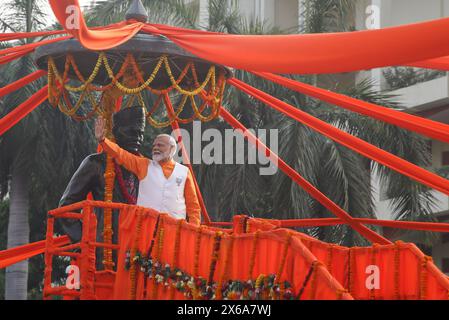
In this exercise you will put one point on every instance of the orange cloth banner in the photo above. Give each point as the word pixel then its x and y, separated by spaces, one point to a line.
pixel 32 46
pixel 22 82
pixel 23 35
pixel 71 18
pixel 298 53
pixel 404 272
pixel 8 121
pixel 11 256
pixel 315 270
pixel 303 183
pixel 13 56
pixel 239 257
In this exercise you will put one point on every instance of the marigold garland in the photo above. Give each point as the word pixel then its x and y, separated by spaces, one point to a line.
pixel 176 251
pixel 253 254
pixel 210 89
pixel 197 251
pixel 135 256
pixel 423 277
pixel 146 267
pixel 374 250
pixel 350 271
pixel 109 178
pixel 284 257
pixel 306 281
pixel 157 278
pixel 226 267
pixel 397 252
pixel 194 286
pixel 213 264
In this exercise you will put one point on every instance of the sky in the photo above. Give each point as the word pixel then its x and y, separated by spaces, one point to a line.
pixel 51 17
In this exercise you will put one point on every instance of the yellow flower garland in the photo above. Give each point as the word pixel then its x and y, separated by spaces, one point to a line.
pixel 212 97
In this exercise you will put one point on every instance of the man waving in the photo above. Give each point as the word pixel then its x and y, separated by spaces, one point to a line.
pixel 165 185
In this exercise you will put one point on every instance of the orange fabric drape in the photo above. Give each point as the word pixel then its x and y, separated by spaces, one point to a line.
pixel 404 271
pixel 32 46
pixel 23 35
pixel 12 118
pixel 429 128
pixel 339 272
pixel 21 82
pixel 233 261
pixel 301 54
pixel 441 63
pixel 362 147
pixel 73 21
pixel 11 256
pixel 13 56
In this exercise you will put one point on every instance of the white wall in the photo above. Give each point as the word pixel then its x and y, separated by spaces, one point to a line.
pixel 280 13
pixel 286 14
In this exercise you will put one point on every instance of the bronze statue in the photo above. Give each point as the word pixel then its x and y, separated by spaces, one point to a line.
pixel 128 130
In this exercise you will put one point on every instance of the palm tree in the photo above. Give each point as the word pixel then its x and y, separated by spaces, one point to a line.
pixel 341 174
pixel 38 155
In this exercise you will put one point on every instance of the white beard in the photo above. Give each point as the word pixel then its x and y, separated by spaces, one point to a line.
pixel 161 156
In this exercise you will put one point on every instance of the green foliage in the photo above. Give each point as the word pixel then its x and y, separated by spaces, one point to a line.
pixel 327 16
pixel 173 12
pixel 401 77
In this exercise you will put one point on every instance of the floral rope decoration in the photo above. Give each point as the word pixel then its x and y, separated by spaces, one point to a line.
pixel 423 277
pixel 146 264
pixel 157 277
pixel 284 257
pixel 374 250
pixel 226 268
pixel 109 178
pixel 306 280
pixel 135 256
pixel 211 89
pixel 197 251
pixel 213 264
pixel 397 252
pixel 253 254
pixel 194 286
pixel 350 276
pixel 261 288
pixel 176 252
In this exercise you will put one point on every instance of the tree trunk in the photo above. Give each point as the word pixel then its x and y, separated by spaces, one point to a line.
pixel 16 284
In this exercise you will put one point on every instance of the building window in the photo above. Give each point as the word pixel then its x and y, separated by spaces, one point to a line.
pixel 445 158
pixel 445 265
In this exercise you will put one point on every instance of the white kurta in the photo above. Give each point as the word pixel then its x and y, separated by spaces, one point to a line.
pixel 162 194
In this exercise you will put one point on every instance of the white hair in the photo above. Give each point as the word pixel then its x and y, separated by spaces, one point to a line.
pixel 171 141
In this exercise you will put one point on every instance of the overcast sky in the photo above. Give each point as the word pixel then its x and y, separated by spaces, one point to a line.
pixel 51 16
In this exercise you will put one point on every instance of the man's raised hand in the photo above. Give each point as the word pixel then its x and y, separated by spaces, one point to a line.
pixel 100 130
